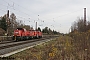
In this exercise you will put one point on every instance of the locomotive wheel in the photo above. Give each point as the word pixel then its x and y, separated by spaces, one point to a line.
pixel 27 37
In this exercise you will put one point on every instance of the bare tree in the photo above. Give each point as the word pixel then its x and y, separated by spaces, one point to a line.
pixel 13 20
pixel 74 26
pixel 79 26
pixel 13 23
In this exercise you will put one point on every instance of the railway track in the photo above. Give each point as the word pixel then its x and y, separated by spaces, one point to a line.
pixel 12 46
pixel 6 42
pixel 11 41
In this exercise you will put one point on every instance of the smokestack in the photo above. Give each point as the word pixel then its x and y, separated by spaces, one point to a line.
pixel 36 25
pixel 7 20
pixel 8 14
pixel 85 16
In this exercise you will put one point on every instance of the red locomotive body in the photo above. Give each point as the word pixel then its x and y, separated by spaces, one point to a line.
pixel 39 34
pixel 18 32
pixel 23 34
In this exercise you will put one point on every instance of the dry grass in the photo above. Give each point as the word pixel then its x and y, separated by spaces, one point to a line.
pixel 62 48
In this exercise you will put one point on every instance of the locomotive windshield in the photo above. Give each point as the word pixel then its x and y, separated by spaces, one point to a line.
pixel 20 28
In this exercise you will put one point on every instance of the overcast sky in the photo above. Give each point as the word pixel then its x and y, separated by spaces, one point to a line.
pixel 55 14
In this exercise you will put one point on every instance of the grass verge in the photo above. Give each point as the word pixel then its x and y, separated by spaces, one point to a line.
pixel 62 48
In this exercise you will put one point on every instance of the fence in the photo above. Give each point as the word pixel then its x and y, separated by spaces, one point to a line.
pixel 5 38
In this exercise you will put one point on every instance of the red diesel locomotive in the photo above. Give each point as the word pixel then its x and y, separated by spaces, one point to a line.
pixel 23 34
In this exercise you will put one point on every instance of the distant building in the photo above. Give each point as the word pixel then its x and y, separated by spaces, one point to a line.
pixel 0 17
pixel 2 32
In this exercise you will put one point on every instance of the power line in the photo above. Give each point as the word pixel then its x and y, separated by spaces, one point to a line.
pixel 15 9
pixel 70 13
pixel 21 11
pixel 29 15
pixel 19 6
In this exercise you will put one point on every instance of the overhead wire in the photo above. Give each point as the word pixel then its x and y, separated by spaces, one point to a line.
pixel 23 18
pixel 14 8
pixel 24 12
pixel 49 19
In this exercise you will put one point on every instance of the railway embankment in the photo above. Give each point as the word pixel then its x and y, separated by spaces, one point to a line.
pixel 56 49
pixel 61 48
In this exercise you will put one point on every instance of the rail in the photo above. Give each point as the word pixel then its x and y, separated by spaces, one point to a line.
pixel 9 38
